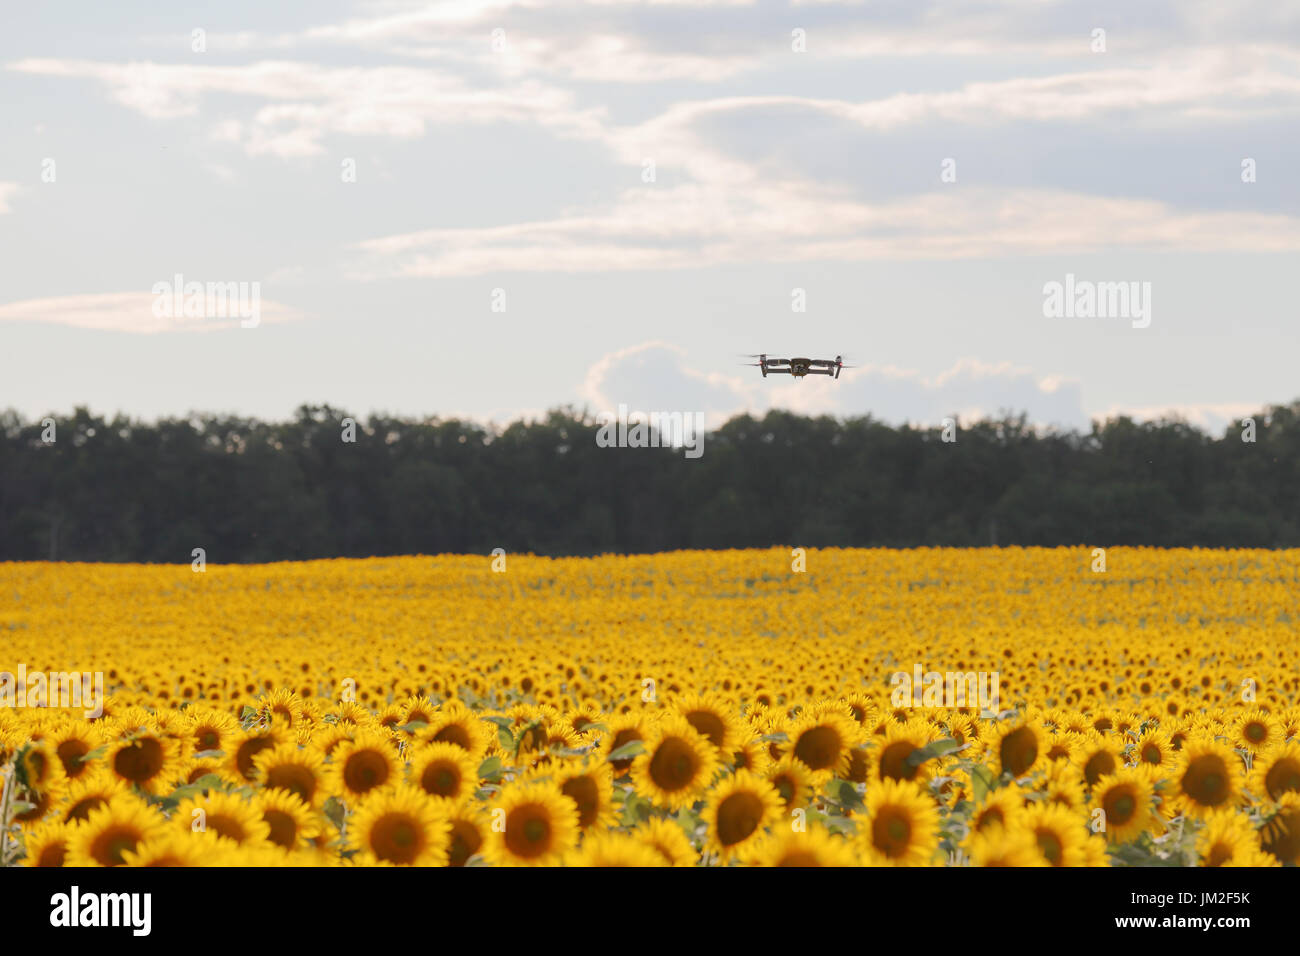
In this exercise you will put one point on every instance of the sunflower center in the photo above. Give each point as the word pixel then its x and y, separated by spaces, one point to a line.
pixel 709 724
pixel 365 770
pixel 891 832
pixel 284 829
pixel 1282 777
pixel 1120 807
pixel 108 847
pixel 1050 845
pixel 297 779
pixel 465 841
pixel 139 762
pixel 1019 751
pixel 440 780
pixel 1098 766
pixel 1206 780
pixel 528 831
pixel 818 748
pixel 673 765
pixel 738 817
pixel 583 792
pixel 396 838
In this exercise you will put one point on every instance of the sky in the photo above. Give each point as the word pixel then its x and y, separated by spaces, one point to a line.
pixel 490 208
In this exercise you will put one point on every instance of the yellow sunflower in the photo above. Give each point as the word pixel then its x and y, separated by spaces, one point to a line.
pixel 290 822
pixel 112 829
pixel 902 827
pixel 669 840
pixel 1059 833
pixel 46 843
pixel 228 815
pixel 996 845
pixel 813 847
pixel 534 824
pixel 1276 770
pixel 1125 798
pixel 1206 776
pixel 1228 839
pixel 401 826
pixel 365 764
pixel 613 849
pixel 738 811
pixel 443 770
pixel 677 764
pixel 297 770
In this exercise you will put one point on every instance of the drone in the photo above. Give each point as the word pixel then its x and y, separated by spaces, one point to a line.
pixel 799 367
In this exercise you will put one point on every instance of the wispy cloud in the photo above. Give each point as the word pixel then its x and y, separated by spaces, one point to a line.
pixel 128 312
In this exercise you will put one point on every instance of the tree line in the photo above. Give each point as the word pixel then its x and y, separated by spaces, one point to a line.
pixel 248 491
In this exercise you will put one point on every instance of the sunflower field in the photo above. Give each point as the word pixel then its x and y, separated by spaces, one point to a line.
pixel 697 708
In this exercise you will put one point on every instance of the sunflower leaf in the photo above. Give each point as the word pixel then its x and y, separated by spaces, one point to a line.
pixel 634 748
pixel 981 781
pixel 207 754
pixel 937 748
pixel 490 769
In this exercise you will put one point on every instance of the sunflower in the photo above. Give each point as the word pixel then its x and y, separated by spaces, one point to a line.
pixel 738 811
pixel 996 845
pixel 891 760
pixel 1098 755
pixel 1063 785
pixel 823 740
pixel 467 834
pixel 752 756
pixel 1276 770
pixel 1206 776
pixel 668 839
pixel 1000 809
pixel 280 708
pixel 591 788
pixel 112 829
pixel 172 848
pixel 1228 839
pixel 443 770
pixel 902 826
pixel 244 748
pixel 87 792
pixel 793 781
pixel 1058 832
pixel 613 849
pixel 808 848
pixel 714 718
pixel 228 815
pixel 1281 837
pixel 677 764
pixel 1255 730
pixel 72 741
pixel 401 826
pixel 289 821
pixel 534 824
pixel 1125 797
pixel 1155 748
pixel 299 770
pixel 1019 748
pixel 145 759
pixel 454 723
pixel 623 730
pixel 210 729
pixel 46 843
pixel 362 765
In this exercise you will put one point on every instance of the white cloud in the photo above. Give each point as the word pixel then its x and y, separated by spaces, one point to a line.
pixel 7 190
pixel 695 226
pixel 658 376
pixel 128 312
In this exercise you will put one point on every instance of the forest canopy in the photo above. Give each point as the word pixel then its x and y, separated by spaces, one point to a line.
pixel 245 490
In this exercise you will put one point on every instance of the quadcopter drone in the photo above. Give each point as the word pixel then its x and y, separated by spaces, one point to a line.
pixel 799 367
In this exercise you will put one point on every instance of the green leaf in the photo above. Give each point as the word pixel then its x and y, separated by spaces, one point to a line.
pixel 209 754
pixel 334 812
pixel 634 748
pixel 490 769
pixel 981 782
pixel 937 748
pixel 502 722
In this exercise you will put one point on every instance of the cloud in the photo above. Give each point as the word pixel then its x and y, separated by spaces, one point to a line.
pixel 128 312
pixel 695 226
pixel 307 102
pixel 6 191
pixel 658 376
